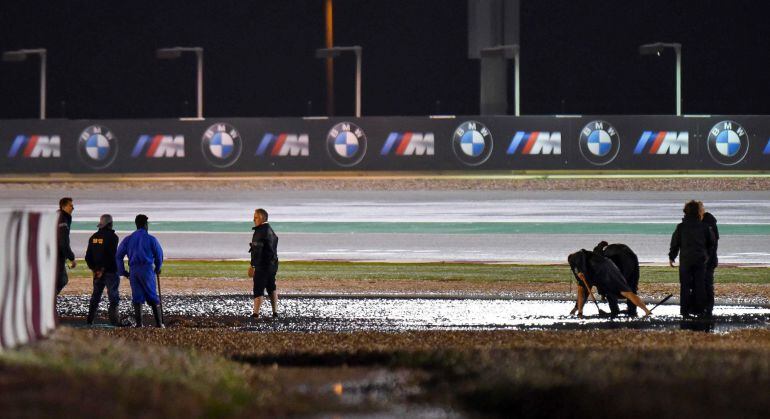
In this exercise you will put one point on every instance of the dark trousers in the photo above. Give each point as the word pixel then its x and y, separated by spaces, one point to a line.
pixel 61 278
pixel 709 290
pixel 692 288
pixel 112 282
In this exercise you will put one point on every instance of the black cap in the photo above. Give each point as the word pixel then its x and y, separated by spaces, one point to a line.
pixel 140 221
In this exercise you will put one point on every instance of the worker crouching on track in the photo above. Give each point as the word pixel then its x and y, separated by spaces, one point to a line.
pixel 591 269
pixel 628 263
pixel 143 251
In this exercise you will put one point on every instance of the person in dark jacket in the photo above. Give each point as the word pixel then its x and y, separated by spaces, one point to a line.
pixel 628 263
pixel 264 262
pixel 595 270
pixel 693 241
pixel 66 207
pixel 711 221
pixel 143 252
pixel 100 257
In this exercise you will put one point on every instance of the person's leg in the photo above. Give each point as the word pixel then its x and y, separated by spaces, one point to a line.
pixel 96 297
pixel 137 298
pixel 699 289
pixel 709 291
pixel 260 283
pixel 685 290
pixel 112 282
pixel 61 279
pixel 148 284
pixel 636 300
pixel 612 300
pixel 273 294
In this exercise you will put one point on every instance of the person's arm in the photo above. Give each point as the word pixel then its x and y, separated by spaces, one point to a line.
pixel 675 244
pixel 121 253
pixel 257 244
pixel 710 244
pixel 90 255
pixel 64 242
pixel 157 255
pixel 581 296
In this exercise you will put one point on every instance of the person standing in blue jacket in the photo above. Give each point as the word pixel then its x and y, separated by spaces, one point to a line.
pixel 143 252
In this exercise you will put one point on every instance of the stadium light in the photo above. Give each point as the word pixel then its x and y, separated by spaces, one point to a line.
pixel 21 55
pixel 176 52
pixel 332 52
pixel 508 52
pixel 656 49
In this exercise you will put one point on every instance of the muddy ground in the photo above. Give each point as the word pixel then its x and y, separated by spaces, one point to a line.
pixel 725 293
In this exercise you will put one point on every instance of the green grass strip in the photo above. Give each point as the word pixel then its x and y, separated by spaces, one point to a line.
pixel 473 272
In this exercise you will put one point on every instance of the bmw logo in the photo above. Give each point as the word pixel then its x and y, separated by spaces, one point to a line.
pixel 599 143
pixel 346 144
pixel 97 147
pixel 221 145
pixel 728 143
pixel 472 143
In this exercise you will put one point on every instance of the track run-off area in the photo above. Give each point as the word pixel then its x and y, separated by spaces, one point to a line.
pixel 422 226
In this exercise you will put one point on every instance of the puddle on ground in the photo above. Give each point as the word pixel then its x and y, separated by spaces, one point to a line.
pixel 316 314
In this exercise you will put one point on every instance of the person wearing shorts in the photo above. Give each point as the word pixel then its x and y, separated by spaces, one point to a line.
pixel 264 262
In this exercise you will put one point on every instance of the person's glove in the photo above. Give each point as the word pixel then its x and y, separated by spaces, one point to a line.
pixel 157 272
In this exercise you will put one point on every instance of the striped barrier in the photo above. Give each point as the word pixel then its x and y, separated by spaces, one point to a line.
pixel 27 276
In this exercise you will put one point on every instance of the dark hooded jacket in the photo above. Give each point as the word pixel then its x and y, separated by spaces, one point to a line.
pixel 711 221
pixel 693 241
pixel 599 271
pixel 624 258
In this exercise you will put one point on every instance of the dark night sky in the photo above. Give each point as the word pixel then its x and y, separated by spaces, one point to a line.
pixel 577 57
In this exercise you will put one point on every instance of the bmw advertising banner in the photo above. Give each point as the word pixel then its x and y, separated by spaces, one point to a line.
pixel 386 143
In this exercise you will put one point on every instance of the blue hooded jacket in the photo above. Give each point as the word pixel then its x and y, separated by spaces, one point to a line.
pixel 143 250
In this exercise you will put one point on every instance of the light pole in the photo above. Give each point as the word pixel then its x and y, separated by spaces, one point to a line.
pixel 21 55
pixel 505 52
pixel 656 49
pixel 176 52
pixel 336 51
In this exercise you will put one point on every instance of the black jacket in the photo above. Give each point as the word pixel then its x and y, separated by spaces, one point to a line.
pixel 711 221
pixel 693 241
pixel 102 247
pixel 63 237
pixel 599 271
pixel 264 248
pixel 624 258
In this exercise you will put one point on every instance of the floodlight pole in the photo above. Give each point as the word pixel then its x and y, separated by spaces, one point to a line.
pixel 21 55
pixel 176 52
pixel 507 52
pixel 678 51
pixel 655 49
pixel 327 53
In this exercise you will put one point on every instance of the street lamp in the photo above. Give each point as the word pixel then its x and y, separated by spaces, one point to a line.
pixel 21 55
pixel 656 49
pixel 176 52
pixel 335 52
pixel 506 52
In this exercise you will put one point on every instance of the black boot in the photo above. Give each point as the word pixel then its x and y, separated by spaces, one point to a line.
pixel 156 314
pixel 91 313
pixel 137 315
pixel 112 314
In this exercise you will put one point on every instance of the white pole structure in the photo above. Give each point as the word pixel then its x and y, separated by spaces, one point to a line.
pixel 21 55
pixel 516 94
pixel 176 52
pixel 678 50
pixel 506 52
pixel 655 49
pixel 335 52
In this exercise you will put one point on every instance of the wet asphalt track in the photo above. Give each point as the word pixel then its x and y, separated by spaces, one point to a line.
pixel 326 225
pixel 348 314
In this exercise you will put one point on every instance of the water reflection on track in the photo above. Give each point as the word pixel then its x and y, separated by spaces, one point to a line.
pixel 345 314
